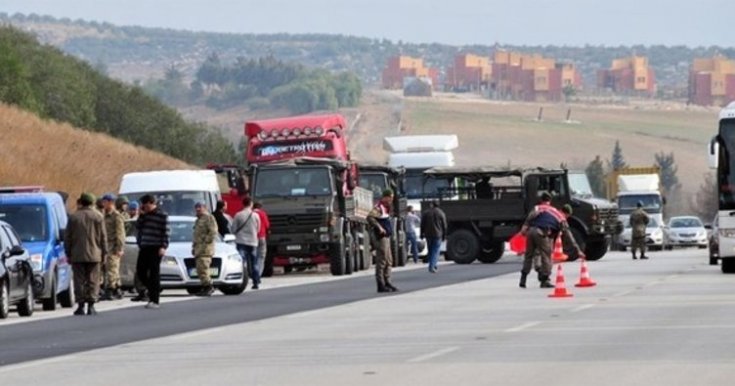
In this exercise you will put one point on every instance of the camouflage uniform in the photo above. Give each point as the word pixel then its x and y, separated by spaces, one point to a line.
pixel 379 219
pixel 205 234
pixel 638 222
pixel 115 228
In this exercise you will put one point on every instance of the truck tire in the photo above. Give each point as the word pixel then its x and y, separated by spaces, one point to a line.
pixel 401 249
pixel 49 304
pixel 367 252
pixel 492 253
pixel 463 246
pixel 728 265
pixel 349 255
pixel 596 250
pixel 581 242
pixel 66 297
pixel 337 259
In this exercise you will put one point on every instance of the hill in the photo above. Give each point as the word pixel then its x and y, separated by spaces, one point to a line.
pixel 61 157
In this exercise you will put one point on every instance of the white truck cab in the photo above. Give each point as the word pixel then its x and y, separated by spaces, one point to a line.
pixel 175 190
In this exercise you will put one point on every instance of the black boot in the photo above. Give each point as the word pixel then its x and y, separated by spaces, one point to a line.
pixel 117 294
pixel 206 291
pixel 106 295
pixel 522 283
pixel 80 309
pixel 644 257
pixel 635 258
pixel 381 287
pixel 545 282
pixel 90 309
pixel 142 297
pixel 390 287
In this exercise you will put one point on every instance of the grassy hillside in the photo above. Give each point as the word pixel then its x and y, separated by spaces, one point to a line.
pixel 61 157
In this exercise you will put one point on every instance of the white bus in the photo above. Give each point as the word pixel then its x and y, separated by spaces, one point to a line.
pixel 722 159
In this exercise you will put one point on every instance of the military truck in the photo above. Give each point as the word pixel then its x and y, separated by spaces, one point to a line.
pixel 378 178
pixel 479 227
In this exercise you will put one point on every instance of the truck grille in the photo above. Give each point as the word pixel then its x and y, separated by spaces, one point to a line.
pixel 295 223
pixel 608 214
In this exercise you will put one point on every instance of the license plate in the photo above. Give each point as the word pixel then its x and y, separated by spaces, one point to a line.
pixel 213 272
pixel 293 247
pixel 298 260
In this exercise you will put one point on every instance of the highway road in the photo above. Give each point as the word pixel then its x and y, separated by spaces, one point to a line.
pixel 665 321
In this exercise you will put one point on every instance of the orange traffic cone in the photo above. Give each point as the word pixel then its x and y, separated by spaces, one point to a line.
pixel 584 277
pixel 560 290
pixel 558 255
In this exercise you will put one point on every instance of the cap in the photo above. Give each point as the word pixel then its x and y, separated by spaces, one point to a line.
pixel 545 196
pixel 133 205
pixel 639 204
pixel 121 200
pixel 200 204
pixel 567 209
pixel 87 199
pixel 108 197
pixel 387 193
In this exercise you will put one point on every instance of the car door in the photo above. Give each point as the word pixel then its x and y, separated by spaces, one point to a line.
pixel 25 272
pixel 12 264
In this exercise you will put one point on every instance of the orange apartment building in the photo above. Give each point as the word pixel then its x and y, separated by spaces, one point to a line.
pixel 401 67
pixel 531 77
pixel 469 72
pixel 628 76
pixel 712 81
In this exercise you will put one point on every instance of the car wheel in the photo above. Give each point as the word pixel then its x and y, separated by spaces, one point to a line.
pixel 66 298
pixel 234 289
pixel 50 303
pixel 25 308
pixel 4 300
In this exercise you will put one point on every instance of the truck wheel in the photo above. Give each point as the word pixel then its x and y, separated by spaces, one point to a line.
pixel 580 239
pixel 66 298
pixel 596 250
pixel 268 266
pixel 401 253
pixel 349 254
pixel 728 265
pixel 50 303
pixel 492 253
pixel 462 246
pixel 367 252
pixel 337 259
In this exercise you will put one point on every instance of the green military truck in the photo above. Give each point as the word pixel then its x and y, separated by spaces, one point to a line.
pixel 478 227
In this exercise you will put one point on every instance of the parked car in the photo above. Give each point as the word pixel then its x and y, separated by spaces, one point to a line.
pixel 714 245
pixel 178 267
pixel 654 236
pixel 40 219
pixel 685 231
pixel 16 274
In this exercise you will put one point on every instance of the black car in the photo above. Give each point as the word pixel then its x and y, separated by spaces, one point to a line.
pixel 16 274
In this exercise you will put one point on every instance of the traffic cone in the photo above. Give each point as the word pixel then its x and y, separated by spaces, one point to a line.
pixel 558 255
pixel 584 277
pixel 560 290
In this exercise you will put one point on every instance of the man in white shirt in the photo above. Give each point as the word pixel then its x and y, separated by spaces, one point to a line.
pixel 245 227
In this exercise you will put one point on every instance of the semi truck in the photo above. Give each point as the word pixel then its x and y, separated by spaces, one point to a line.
pixel 631 185
pixel 721 152
pixel 300 170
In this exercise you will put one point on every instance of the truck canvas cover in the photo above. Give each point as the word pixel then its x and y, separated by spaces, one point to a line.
pixel 420 143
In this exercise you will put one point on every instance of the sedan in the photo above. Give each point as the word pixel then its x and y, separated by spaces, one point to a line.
pixel 686 231
pixel 654 236
pixel 16 274
pixel 178 267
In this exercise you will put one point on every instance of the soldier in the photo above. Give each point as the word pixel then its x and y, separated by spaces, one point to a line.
pixel 379 219
pixel 115 229
pixel 121 204
pixel 133 210
pixel 99 206
pixel 205 234
pixel 85 242
pixel 638 223
pixel 541 228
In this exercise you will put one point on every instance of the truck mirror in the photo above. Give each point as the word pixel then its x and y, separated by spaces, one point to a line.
pixel 713 153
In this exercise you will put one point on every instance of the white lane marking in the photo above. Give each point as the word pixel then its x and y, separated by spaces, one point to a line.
pixel 434 354
pixel 582 307
pixel 523 326
pixel 40 362
pixel 192 334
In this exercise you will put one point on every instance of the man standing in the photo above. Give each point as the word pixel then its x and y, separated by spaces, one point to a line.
pixel 153 236
pixel 115 229
pixel 541 228
pixel 133 210
pixel 246 225
pixel 379 220
pixel 265 230
pixel 85 243
pixel 638 224
pixel 121 204
pixel 413 226
pixel 205 234
pixel 223 220
pixel 434 229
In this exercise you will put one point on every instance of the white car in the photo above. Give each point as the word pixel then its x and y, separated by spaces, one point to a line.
pixel 178 267
pixel 654 236
pixel 685 231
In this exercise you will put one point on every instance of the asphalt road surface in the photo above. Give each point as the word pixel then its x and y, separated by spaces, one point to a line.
pixel 665 321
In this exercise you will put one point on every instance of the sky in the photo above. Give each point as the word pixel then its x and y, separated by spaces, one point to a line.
pixel 457 22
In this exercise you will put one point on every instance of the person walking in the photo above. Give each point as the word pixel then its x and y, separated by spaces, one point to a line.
pixel 638 223
pixel 115 229
pixel 223 219
pixel 85 243
pixel 434 230
pixel 265 230
pixel 153 238
pixel 246 225
pixel 202 247
pixel 543 224
pixel 413 227
pixel 379 220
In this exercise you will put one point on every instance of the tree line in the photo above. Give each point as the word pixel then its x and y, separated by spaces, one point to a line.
pixel 53 85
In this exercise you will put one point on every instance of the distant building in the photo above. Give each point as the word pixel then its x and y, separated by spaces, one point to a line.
pixel 400 67
pixel 469 72
pixel 630 76
pixel 531 77
pixel 712 81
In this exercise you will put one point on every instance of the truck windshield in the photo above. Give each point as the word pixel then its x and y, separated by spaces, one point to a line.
pixel 580 185
pixel 376 183
pixel 175 203
pixel 651 203
pixel 29 221
pixel 418 187
pixel 293 182
pixel 726 165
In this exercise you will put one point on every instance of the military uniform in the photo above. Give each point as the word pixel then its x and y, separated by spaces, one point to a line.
pixel 205 234
pixel 638 222
pixel 85 242
pixel 379 219
pixel 115 228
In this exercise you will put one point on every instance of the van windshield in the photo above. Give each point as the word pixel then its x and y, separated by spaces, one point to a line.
pixel 175 203
pixel 29 221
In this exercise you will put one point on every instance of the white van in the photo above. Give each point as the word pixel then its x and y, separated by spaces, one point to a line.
pixel 175 190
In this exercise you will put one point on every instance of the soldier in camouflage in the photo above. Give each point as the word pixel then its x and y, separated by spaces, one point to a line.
pixel 205 234
pixel 121 204
pixel 115 229
pixel 638 223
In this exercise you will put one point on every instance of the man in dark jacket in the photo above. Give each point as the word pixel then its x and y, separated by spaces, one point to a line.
pixel 223 220
pixel 153 236
pixel 85 242
pixel 434 229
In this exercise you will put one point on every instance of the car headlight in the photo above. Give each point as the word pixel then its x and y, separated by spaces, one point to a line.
pixel 657 233
pixel 37 262
pixel 169 260
pixel 235 257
